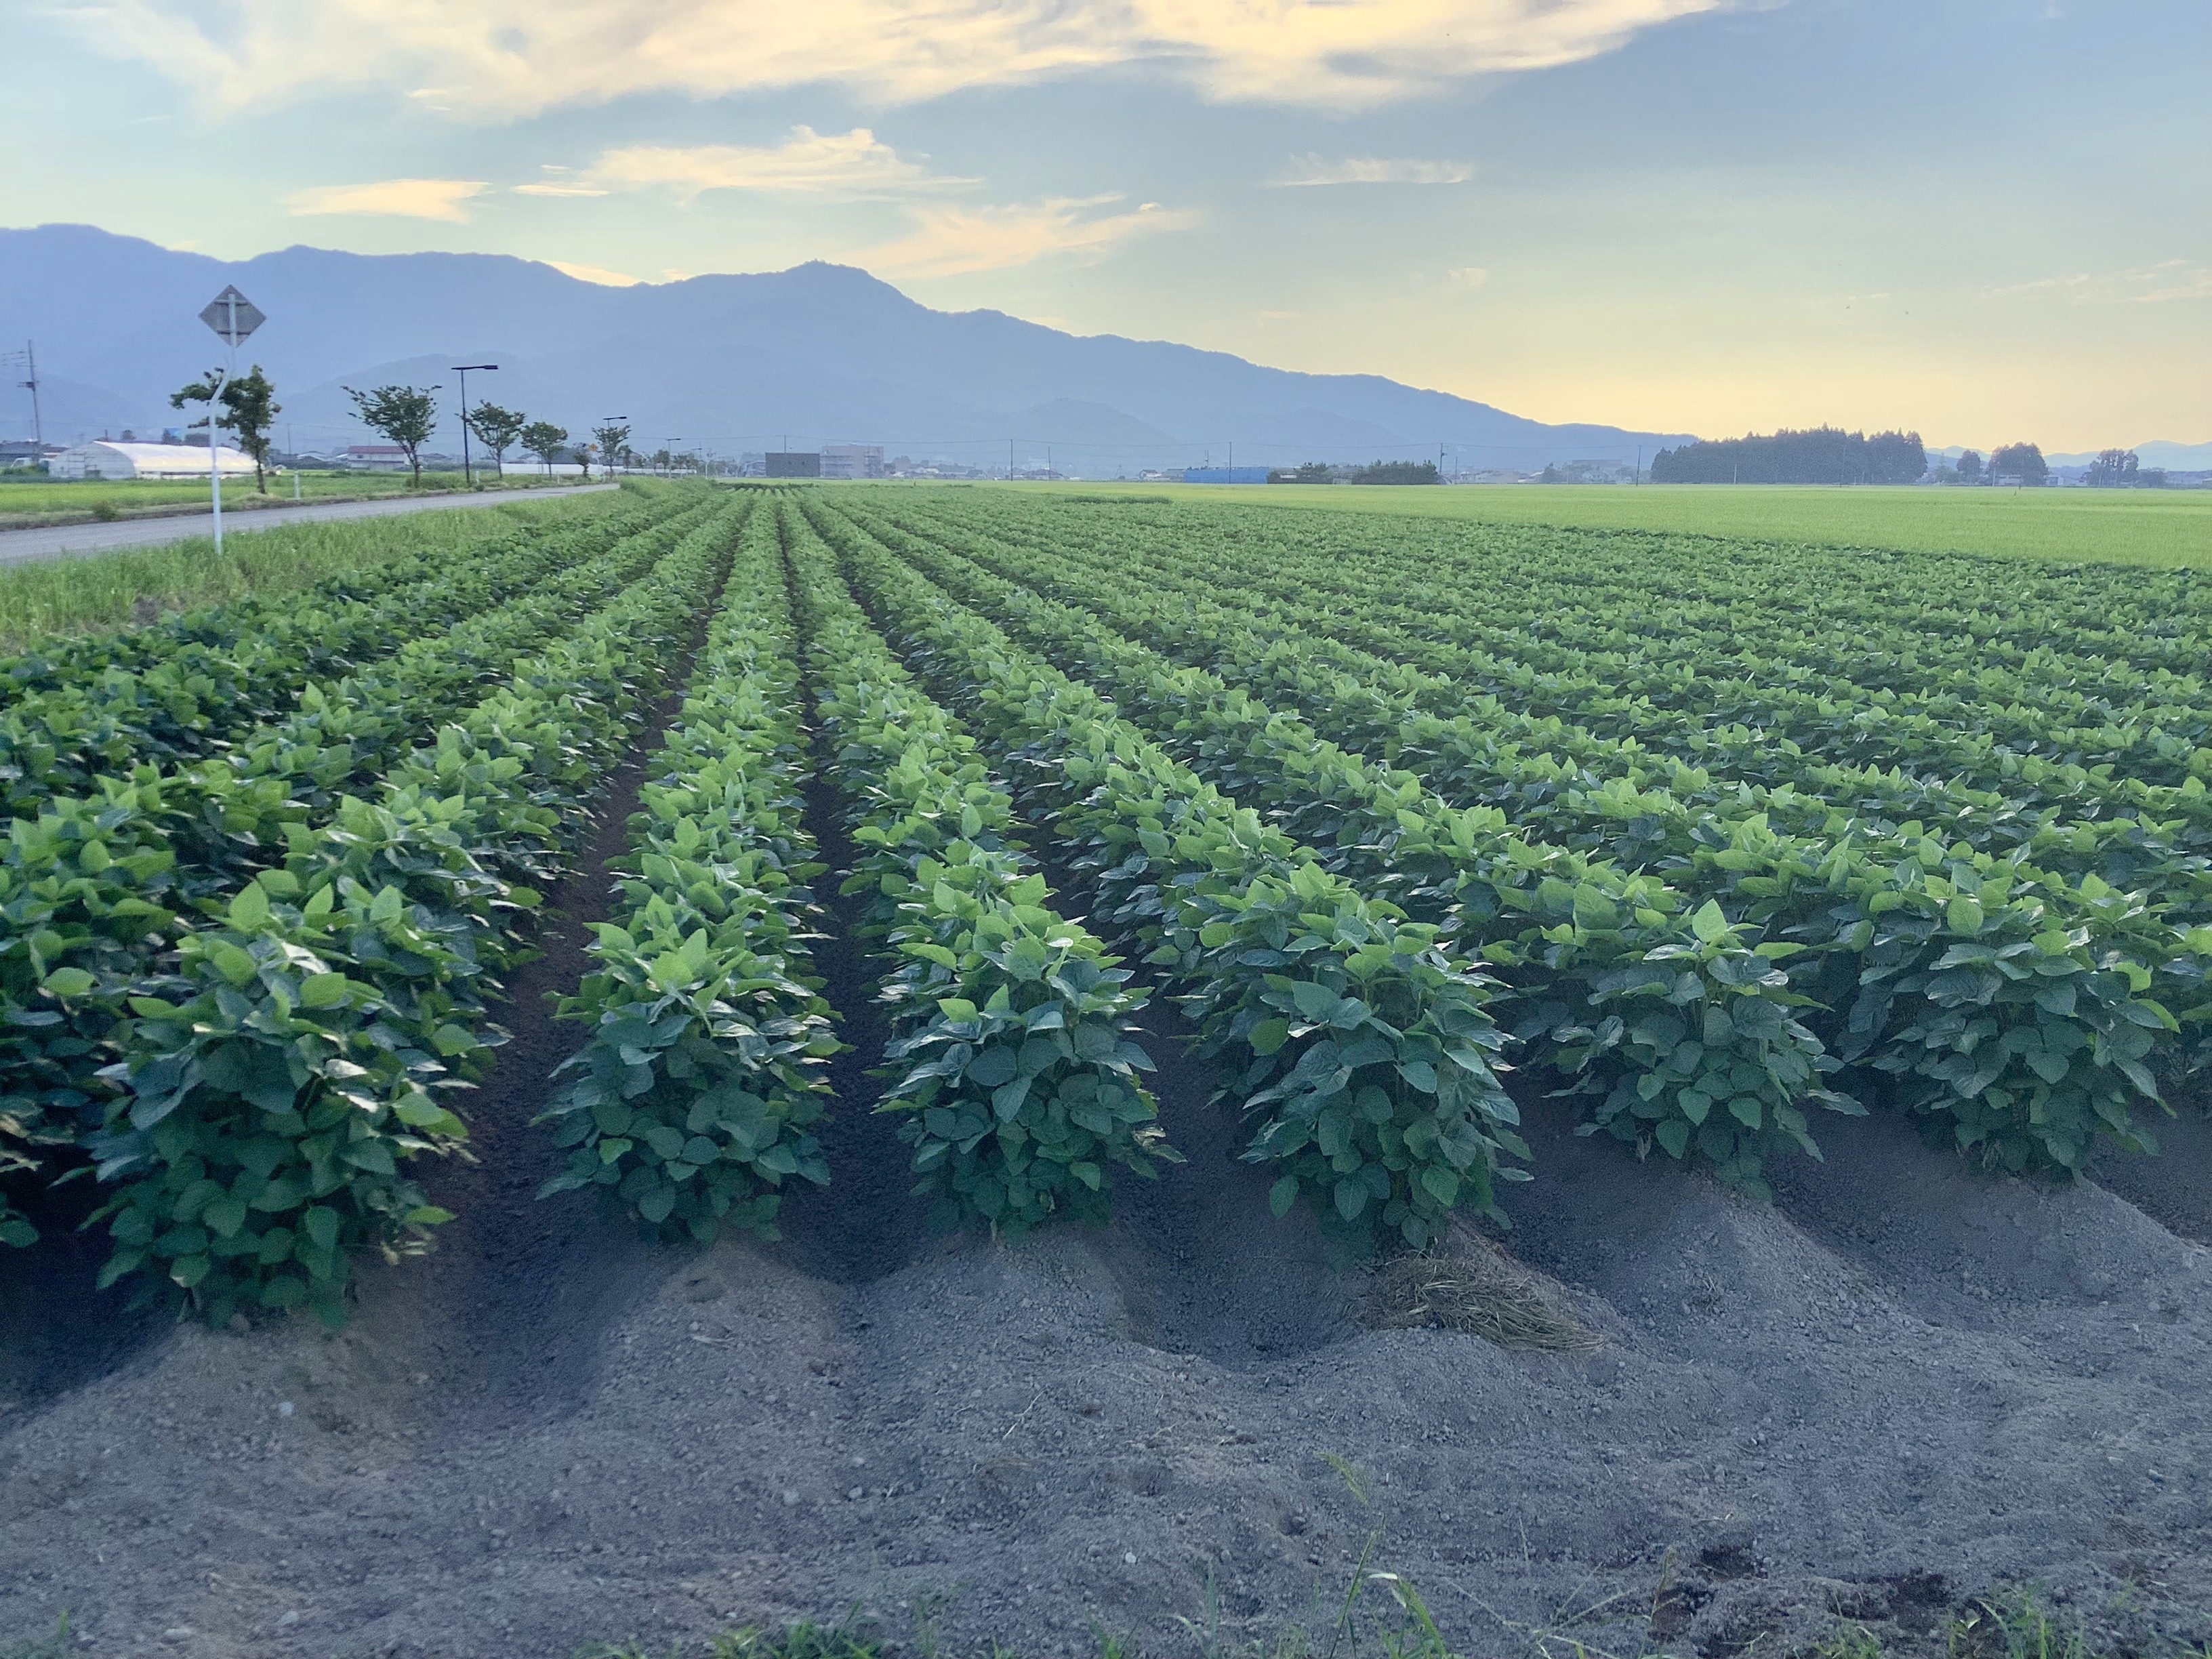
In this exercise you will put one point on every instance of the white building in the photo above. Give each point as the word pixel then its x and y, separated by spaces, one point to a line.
pixel 136 460
pixel 851 460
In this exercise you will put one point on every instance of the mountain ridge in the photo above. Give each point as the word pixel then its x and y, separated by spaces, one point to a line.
pixel 817 352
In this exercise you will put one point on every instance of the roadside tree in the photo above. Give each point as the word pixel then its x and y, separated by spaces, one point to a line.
pixel 249 408
pixel 406 415
pixel 497 429
pixel 545 441
pixel 613 440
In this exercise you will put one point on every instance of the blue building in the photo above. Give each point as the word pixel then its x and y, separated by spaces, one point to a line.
pixel 1224 475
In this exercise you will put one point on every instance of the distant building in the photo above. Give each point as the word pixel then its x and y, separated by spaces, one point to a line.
pixel 118 459
pixel 794 464
pixel 851 461
pixel 23 453
pixel 1224 475
pixel 374 458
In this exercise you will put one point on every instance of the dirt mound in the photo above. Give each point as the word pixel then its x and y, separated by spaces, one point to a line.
pixel 1897 1385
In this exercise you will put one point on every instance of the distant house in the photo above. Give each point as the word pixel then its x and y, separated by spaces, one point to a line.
pixel 851 460
pixel 1224 475
pixel 794 464
pixel 119 459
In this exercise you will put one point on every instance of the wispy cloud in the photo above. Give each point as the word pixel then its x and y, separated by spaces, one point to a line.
pixel 844 164
pixel 447 199
pixel 1373 170
pixel 948 240
pixel 599 274
pixel 2147 285
pixel 503 59
pixel 1467 277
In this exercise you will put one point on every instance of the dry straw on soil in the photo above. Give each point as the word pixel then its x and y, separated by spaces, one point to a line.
pixel 1473 1287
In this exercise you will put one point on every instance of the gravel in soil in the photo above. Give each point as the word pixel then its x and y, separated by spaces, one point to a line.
pixel 1898 1385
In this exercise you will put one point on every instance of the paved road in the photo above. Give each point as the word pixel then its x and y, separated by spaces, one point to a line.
pixel 17 545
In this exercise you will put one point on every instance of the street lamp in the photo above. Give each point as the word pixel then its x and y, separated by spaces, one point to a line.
pixel 468 472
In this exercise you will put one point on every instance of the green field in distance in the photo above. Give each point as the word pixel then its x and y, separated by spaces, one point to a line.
pixel 2134 526
pixel 24 494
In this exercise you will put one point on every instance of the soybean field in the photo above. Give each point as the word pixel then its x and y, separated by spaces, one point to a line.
pixel 716 1055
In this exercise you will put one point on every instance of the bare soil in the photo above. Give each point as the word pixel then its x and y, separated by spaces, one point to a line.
pixel 1897 1385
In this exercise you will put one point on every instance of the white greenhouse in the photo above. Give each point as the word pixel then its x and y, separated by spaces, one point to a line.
pixel 136 460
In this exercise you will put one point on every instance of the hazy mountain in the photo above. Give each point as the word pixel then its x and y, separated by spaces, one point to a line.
pixel 2178 457
pixel 819 353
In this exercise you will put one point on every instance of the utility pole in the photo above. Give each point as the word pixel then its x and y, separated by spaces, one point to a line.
pixel 468 469
pixel 31 385
pixel 1010 461
pixel 1639 463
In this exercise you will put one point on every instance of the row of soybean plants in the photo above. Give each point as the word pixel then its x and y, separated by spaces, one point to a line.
pixel 1012 1060
pixel 2006 1005
pixel 172 691
pixel 2118 830
pixel 1360 1046
pixel 2142 765
pixel 1648 1007
pixel 2093 830
pixel 1852 672
pixel 291 1047
pixel 94 885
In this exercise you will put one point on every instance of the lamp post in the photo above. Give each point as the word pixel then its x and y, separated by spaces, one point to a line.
pixel 468 472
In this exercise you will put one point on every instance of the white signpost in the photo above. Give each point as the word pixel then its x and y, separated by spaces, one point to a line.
pixel 233 317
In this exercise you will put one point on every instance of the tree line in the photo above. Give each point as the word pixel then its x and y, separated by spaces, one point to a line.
pixel 1823 454
pixel 2020 463
pixel 405 415
pixel 245 406
pixel 1375 473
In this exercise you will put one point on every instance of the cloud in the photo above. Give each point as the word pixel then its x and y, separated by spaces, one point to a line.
pixel 2149 285
pixel 559 181
pixel 1467 276
pixel 407 199
pixel 851 164
pixel 501 60
pixel 599 274
pixel 948 240
pixel 1374 170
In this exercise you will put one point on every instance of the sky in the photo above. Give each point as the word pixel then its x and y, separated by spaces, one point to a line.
pixel 1983 220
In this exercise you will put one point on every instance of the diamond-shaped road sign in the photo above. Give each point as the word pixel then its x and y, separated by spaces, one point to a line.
pixel 233 317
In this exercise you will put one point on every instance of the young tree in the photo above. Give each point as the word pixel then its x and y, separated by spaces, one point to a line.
pixel 2023 461
pixel 249 411
pixel 543 439
pixel 406 415
pixel 613 440
pixel 496 428
pixel 1970 468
